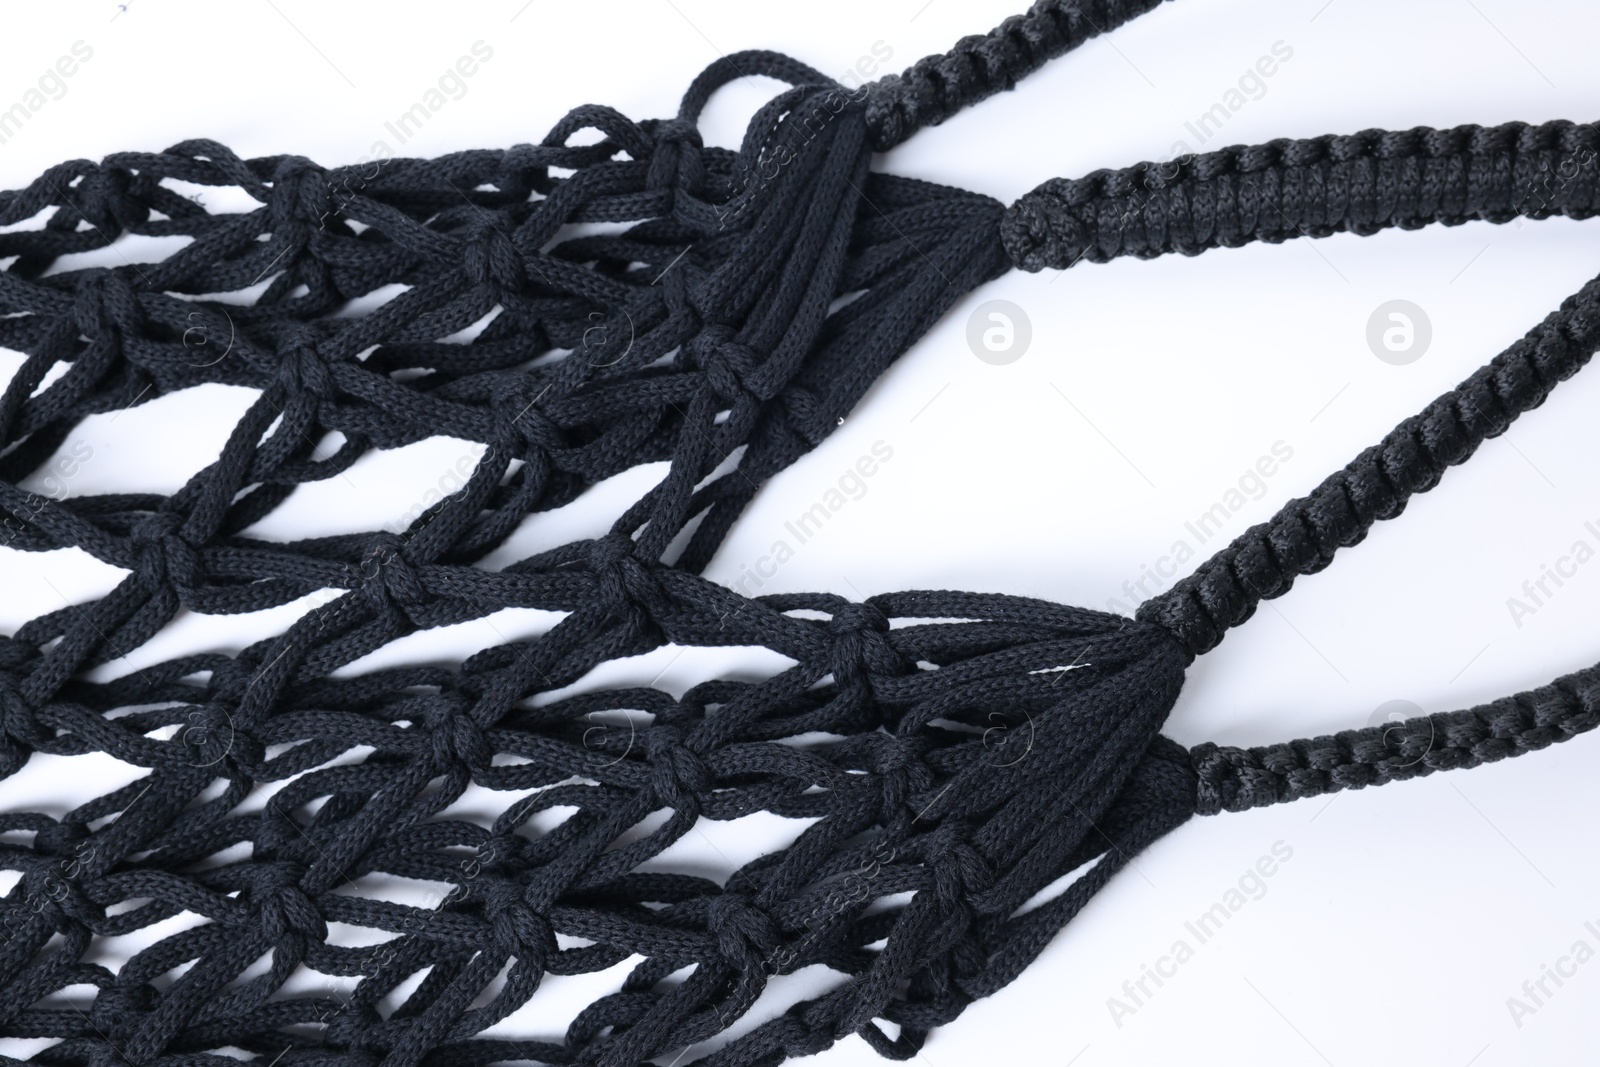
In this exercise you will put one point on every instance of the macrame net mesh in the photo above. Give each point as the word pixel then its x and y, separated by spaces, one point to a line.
pixel 944 779
pixel 578 308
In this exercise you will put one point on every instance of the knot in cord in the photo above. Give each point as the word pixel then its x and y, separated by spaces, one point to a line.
pixel 677 161
pixel 491 258
pixel 301 370
pixel 102 197
pixel 208 736
pixel 104 303
pixel 861 650
pixel 281 907
pixel 746 935
pixel 960 871
pixel 300 197
pixel 20 728
pixel 728 365
pixel 387 578
pixel 118 1011
pixel 457 739
pixel 624 587
pixel 164 556
pixel 517 400
pixel 518 927
pixel 678 775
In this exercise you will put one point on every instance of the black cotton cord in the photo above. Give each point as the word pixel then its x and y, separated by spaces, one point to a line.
pixel 1271 192
pixel 936 87
pixel 1263 562
pixel 734 267
pixel 1311 188
pixel 786 377
pixel 1236 779
pixel 938 787
pixel 969 764
pixel 950 817
pixel 1360 183
pixel 1302 538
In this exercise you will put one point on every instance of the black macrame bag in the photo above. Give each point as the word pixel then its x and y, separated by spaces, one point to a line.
pixel 748 304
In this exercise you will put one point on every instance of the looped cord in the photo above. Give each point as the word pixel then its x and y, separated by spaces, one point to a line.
pixel 744 65
pixel 711 335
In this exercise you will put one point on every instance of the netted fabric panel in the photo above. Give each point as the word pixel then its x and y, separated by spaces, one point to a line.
pixel 743 308
pixel 968 764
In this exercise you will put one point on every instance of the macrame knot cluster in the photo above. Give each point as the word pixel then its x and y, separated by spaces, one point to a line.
pixel 900 775
pixel 281 909
pixel 387 578
pixel 730 367
pixel 678 159
pixel 491 259
pixel 119 1012
pixel 518 404
pixel 300 198
pixel 53 890
pixel 20 728
pixel 962 771
pixel 520 925
pixel 747 937
pixel 382 305
pixel 165 558
pixel 106 198
pixel 625 589
pixel 861 648
pixel 458 742
pixel 961 874
pixel 302 371
pixel 104 305
pixel 208 736
pixel 678 775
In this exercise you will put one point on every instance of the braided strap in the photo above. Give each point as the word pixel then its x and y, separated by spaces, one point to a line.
pixel 1236 779
pixel 1303 536
pixel 1360 183
pixel 936 87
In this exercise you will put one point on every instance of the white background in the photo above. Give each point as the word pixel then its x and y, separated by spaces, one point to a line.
pixel 1406 916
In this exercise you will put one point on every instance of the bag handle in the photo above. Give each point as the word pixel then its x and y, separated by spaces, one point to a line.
pixel 1359 183
pixel 979 66
pixel 1263 562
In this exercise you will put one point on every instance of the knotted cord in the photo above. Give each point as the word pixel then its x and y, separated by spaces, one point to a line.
pixel 947 756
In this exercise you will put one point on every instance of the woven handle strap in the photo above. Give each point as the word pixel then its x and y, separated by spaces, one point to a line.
pixel 936 87
pixel 1359 183
pixel 1236 779
pixel 1303 536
